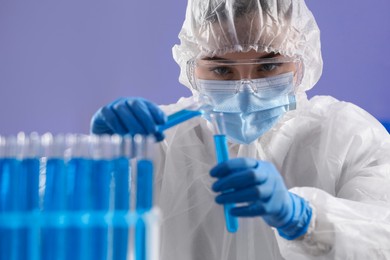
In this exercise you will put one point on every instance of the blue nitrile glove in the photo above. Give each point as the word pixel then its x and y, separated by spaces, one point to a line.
pixel 259 184
pixel 129 116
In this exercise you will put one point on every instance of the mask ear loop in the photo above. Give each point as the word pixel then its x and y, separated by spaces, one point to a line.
pixel 298 75
pixel 190 71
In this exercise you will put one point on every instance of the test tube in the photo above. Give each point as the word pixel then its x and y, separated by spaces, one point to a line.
pixel 3 195
pixel 144 189
pixel 197 106
pixel 79 195
pixel 29 192
pixel 10 199
pixel 30 154
pixel 121 175
pixel 144 173
pixel 55 188
pixel 222 154
pixel 100 185
pixel 54 199
pixel 3 187
pixel 179 117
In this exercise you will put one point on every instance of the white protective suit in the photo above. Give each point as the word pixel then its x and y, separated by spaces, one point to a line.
pixel 332 153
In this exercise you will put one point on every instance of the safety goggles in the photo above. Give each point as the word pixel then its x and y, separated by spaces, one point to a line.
pixel 209 69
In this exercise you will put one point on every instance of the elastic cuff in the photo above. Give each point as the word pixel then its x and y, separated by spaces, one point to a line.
pixel 299 225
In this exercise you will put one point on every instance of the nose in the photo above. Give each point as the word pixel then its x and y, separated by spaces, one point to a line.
pixel 246 85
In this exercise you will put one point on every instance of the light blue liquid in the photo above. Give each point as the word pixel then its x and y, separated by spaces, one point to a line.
pixel 122 197
pixel 10 202
pixel 100 198
pixel 144 204
pixel 144 185
pixel 3 199
pixel 222 154
pixel 72 189
pixel 55 190
pixel 53 239
pixel 179 117
pixel 140 240
pixel 78 200
pixel 29 192
pixel 10 176
pixel 13 200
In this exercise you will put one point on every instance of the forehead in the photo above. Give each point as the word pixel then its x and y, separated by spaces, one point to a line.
pixel 252 54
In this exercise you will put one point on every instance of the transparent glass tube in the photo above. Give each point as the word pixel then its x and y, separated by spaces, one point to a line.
pixel 29 188
pixel 179 117
pixel 11 240
pixel 120 195
pixel 54 201
pixel 144 189
pixel 222 154
pixel 102 150
pixel 198 105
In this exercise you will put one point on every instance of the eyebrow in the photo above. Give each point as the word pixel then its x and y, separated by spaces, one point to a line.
pixel 267 56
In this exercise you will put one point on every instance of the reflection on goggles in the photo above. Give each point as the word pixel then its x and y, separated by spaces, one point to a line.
pixel 265 85
pixel 243 69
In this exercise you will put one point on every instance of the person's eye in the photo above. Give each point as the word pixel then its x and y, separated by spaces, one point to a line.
pixel 268 67
pixel 221 71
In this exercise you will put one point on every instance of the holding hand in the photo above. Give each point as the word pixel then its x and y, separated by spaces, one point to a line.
pixel 129 116
pixel 260 186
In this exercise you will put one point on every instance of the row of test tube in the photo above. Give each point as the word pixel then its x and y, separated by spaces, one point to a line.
pixel 70 197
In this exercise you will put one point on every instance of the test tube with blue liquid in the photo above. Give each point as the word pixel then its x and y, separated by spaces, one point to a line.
pixel 31 154
pixel 79 200
pixel 29 191
pixel 13 239
pixel 222 154
pixel 196 108
pixel 10 199
pixel 103 148
pixel 55 195
pixel 144 192
pixel 121 196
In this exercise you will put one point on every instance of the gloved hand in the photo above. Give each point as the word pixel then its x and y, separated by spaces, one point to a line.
pixel 260 186
pixel 129 116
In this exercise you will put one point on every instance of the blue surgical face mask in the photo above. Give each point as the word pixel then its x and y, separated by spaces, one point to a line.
pixel 250 107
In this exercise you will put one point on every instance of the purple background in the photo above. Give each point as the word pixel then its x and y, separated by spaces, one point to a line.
pixel 61 60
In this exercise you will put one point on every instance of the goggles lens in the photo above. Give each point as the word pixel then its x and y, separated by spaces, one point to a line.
pixel 233 70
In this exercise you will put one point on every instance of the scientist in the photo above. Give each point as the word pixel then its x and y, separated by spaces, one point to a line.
pixel 310 178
